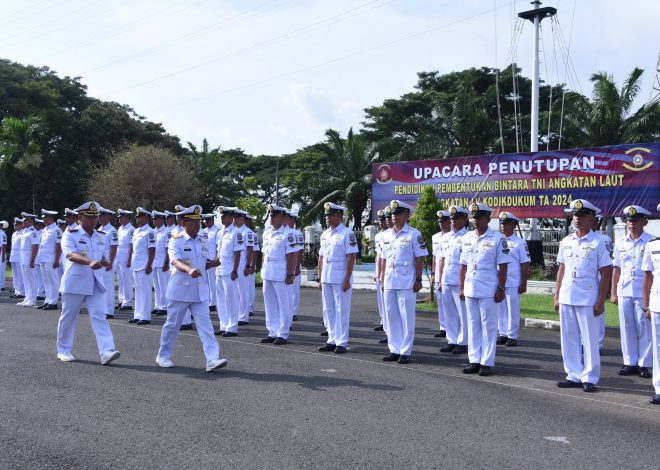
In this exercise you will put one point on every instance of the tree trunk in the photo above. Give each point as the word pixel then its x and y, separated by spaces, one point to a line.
pixel 34 192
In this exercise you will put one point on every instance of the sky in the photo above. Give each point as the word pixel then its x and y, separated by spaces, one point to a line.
pixel 270 76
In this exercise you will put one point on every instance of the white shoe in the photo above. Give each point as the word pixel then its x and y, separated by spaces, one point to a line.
pixel 215 364
pixel 20 304
pixel 28 304
pixel 66 357
pixel 164 362
pixel 108 357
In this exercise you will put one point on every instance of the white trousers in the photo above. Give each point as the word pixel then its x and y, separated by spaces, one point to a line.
pixel 17 277
pixel 601 330
pixel 125 282
pixel 455 315
pixel 482 314
pixel 228 303
pixel 176 311
pixel 635 333
pixel 51 277
pixel 109 280
pixel 30 283
pixel 66 327
pixel 277 304
pixel 41 288
pixel 381 304
pixel 509 322
pixel 655 337
pixel 295 302
pixel 143 295
pixel 400 314
pixel 579 343
pixel 161 278
pixel 243 296
pixel 253 292
pixel 337 307
pixel 3 275
pixel 213 295
pixel 441 311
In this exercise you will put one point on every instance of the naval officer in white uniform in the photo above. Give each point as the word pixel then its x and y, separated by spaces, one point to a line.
pixel 651 306
pixel 142 258
pixel 111 244
pixel 444 223
pixel 123 260
pixel 50 251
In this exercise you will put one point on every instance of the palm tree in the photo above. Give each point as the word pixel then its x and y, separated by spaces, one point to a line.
pixel 20 148
pixel 607 118
pixel 348 174
pixel 207 165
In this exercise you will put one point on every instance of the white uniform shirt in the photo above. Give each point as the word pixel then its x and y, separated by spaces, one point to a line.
pixel 582 259
pixel 15 253
pixel 125 236
pixel 336 244
pixel 276 245
pixel 520 255
pixel 50 238
pixel 212 244
pixel 37 258
pixel 144 238
pixel 378 241
pixel 436 250
pixel 111 238
pixel 451 246
pixel 29 237
pixel 482 255
pixel 230 240
pixel 400 250
pixel 162 240
pixel 248 236
pixel 3 241
pixel 193 252
pixel 628 255
pixel 651 262
pixel 80 278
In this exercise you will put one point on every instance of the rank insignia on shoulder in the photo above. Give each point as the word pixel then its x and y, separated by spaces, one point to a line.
pixel 100 231
pixel 72 229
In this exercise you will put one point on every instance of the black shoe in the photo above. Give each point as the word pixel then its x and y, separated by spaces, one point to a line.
pixel 219 332
pixel 118 306
pixel 327 348
pixel 644 373
pixel 40 307
pixel 268 339
pixel 471 368
pixel 229 334
pixel 588 387
pixel 655 399
pixel 511 343
pixel 568 384
pixel 485 371
pixel 144 322
pixel 459 349
pixel 50 307
pixel 628 370
pixel 340 350
pixel 213 308
pixel 324 333
pixel 251 314
pixel 391 357
pixel 448 348
pixel 379 328
pixel 243 323
pixel 382 341
pixel 133 320
pixel 403 359
pixel 185 327
pixel 279 341
pixel 109 317
pixel 125 308
pixel 19 296
pixel 41 297
pixel 442 334
pixel 162 313
pixel 501 340
pixel 155 311
pixel 295 318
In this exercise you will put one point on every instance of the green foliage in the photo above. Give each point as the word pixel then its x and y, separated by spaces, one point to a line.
pixel 425 218
pixel 254 207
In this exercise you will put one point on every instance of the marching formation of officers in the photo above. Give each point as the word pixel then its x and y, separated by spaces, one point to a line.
pixel 479 276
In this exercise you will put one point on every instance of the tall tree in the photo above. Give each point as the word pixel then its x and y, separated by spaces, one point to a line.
pixel 20 145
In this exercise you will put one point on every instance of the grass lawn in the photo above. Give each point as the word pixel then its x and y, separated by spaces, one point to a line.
pixel 541 306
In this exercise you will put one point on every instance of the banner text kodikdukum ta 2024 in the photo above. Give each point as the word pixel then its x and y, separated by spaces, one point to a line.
pixel 535 184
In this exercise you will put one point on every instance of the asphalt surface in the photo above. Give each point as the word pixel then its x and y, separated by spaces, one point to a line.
pixel 293 407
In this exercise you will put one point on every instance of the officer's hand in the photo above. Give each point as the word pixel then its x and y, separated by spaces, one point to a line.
pixel 289 279
pixel 246 271
pixel 522 289
pixel 195 273
pixel 56 264
pixel 233 275
pixel 499 296
pixel 32 264
pixel 439 289
pixel 108 266
pixel 599 308
pixel 128 265
pixel 95 265
pixel 614 299
pixel 320 286
pixel 347 285
pixel 417 286
pixel 165 268
pixel 461 295
pixel 647 314
pixel 556 301
pixel 297 271
pixel 148 270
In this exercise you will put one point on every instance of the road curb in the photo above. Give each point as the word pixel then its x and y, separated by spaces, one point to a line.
pixel 542 324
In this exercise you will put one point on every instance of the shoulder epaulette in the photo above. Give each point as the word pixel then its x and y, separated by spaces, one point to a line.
pixel 72 229
pixel 178 235
pixel 100 231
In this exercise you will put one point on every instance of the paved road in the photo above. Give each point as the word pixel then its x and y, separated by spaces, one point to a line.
pixel 294 407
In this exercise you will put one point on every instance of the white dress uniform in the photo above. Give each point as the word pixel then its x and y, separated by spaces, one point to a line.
pixel 651 263
pixel 124 276
pixel 243 280
pixel 601 318
pixel 378 241
pixel 295 298
pixel 229 241
pixel 336 245
pixel 3 260
pixel 29 238
pixel 400 250
pixel 482 255
pixel 436 251
pixel 161 277
pixel 177 230
pixel 41 288
pixel 212 233
pixel 185 293
pixel 144 240
pixel 111 239
pixel 15 262
pixel 451 247
pixel 51 238
pixel 256 246
pixel 81 284
pixel 582 259
pixel 634 326
pixel 509 321
pixel 277 244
